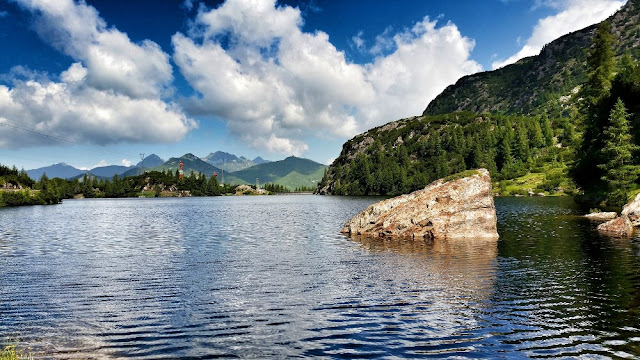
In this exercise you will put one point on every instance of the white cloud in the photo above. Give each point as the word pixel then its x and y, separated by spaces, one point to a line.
pixel 358 41
pixel 276 85
pixel 113 61
pixel 384 42
pixel 111 94
pixel 573 15
pixel 78 113
pixel 126 162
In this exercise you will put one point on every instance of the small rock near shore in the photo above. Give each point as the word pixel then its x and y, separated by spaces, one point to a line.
pixel 620 226
pixel 602 216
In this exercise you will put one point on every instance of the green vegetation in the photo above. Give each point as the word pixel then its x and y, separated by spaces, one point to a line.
pixel 17 188
pixel 407 155
pixel 292 173
pixel 11 352
pixel 281 189
pixel 607 163
pixel 620 172
pixel 150 184
pixel 541 84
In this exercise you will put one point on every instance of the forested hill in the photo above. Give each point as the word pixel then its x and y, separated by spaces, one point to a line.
pixel 408 154
pixel 292 172
pixel 544 83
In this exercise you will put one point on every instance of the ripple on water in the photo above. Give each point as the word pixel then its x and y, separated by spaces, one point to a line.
pixel 264 277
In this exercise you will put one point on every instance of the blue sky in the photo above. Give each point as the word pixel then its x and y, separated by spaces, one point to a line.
pixel 99 82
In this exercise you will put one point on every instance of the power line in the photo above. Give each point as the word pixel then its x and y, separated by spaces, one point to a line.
pixel 11 124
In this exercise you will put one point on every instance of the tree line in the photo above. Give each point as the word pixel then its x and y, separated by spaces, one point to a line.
pixel 22 190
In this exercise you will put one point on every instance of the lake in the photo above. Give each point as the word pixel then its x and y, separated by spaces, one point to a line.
pixel 271 277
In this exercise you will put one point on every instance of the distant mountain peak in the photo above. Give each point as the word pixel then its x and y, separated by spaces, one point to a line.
pixel 258 160
pixel 150 161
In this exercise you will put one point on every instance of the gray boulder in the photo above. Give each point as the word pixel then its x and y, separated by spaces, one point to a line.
pixel 461 208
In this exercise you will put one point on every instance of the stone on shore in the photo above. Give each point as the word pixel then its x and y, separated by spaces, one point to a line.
pixel 632 211
pixel 620 226
pixel 461 208
pixel 602 216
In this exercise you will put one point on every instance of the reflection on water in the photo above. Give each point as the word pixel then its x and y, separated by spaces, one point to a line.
pixel 266 277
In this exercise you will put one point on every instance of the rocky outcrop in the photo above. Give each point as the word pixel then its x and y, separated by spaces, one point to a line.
pixel 620 226
pixel 624 224
pixel 632 211
pixel 602 216
pixel 459 208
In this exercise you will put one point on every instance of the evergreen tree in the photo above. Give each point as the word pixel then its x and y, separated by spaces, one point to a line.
pixel 620 172
pixel 547 131
pixel 595 106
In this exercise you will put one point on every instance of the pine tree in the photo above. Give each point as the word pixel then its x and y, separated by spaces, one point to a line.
pixel 620 172
pixel 547 132
pixel 596 105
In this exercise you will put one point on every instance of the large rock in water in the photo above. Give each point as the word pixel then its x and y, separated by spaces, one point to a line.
pixel 456 209
pixel 624 224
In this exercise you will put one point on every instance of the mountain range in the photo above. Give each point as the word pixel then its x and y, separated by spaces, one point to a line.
pixel 230 163
pixel 291 172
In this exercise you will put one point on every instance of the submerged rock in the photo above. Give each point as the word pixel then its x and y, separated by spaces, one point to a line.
pixel 459 208
pixel 620 226
pixel 602 216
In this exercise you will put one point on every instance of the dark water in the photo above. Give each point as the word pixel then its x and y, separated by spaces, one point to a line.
pixel 270 277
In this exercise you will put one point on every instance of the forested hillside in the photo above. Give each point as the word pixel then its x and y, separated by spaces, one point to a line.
pixel 408 154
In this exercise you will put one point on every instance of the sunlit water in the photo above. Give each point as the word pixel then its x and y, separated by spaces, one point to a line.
pixel 271 277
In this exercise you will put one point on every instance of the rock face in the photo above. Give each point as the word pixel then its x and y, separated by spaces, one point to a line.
pixel 632 211
pixel 455 209
pixel 602 216
pixel 620 226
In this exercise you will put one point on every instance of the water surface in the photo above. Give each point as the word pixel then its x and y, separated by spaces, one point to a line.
pixel 265 277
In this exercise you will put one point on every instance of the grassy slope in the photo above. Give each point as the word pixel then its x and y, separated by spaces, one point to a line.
pixel 295 180
pixel 291 172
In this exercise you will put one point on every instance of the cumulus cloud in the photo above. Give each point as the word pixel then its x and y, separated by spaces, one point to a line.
pixel 572 15
pixel 78 113
pixel 126 162
pixel 113 61
pixel 111 94
pixel 275 85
